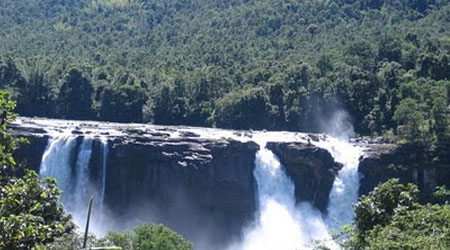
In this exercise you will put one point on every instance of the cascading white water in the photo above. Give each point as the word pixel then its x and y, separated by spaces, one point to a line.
pixel 280 224
pixel 80 195
pixel 346 185
pixel 56 162
pixel 105 150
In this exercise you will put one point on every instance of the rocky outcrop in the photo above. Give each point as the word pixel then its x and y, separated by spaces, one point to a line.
pixel 183 182
pixel 161 175
pixel 30 153
pixel 427 165
pixel 312 169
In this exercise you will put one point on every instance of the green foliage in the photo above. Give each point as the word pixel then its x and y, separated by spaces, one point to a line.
pixel 390 217
pixel 178 62
pixel 156 237
pixel 442 195
pixel 378 207
pixel 243 110
pixel 440 114
pixel 123 240
pixel 146 237
pixel 70 241
pixel 122 104
pixel 427 227
pixel 410 120
pixel 30 211
pixel 7 142
pixel 75 96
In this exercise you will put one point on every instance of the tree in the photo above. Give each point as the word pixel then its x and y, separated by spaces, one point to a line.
pixel 390 49
pixel 243 109
pixel 30 211
pixel 410 120
pixel 122 104
pixel 120 239
pixel 378 207
pixel 420 229
pixel 390 217
pixel 440 115
pixel 75 96
pixel 169 104
pixel 158 237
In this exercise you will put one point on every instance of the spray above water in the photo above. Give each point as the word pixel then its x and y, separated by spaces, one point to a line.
pixel 338 125
pixel 344 192
pixel 280 223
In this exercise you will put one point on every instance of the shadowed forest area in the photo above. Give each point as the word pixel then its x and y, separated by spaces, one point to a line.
pixel 242 64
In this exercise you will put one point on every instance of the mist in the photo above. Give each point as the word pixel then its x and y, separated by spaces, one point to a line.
pixel 338 124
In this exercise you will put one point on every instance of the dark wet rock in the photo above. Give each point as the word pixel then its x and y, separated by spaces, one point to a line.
pixel 312 169
pixel 212 178
pixel 30 154
pixel 188 134
pixel 16 129
pixel 315 138
pixel 427 165
pixel 179 181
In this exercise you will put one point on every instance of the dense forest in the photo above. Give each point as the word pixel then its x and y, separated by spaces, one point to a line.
pixel 243 64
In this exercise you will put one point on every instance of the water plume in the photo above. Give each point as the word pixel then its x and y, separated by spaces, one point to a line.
pixel 279 222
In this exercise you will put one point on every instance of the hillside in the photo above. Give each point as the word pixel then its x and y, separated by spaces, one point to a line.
pixel 260 64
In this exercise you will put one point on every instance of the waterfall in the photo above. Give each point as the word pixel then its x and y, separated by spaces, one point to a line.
pixel 73 176
pixel 104 142
pixel 56 162
pixel 345 188
pixel 280 224
pixel 81 193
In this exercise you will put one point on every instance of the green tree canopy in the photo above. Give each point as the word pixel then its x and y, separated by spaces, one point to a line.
pixel 410 120
pixel 390 217
pixel 75 96
pixel 30 211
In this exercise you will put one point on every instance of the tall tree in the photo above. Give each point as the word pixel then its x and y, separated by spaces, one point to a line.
pixel 410 120
pixel 440 114
pixel 75 96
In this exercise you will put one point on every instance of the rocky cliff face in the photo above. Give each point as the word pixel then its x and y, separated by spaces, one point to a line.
pixel 312 169
pixel 427 165
pixel 185 183
pixel 197 178
pixel 214 176
pixel 161 175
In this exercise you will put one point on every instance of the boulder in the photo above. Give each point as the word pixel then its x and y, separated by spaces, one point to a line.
pixel 312 170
